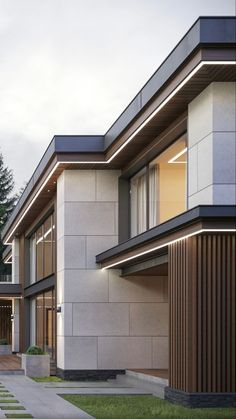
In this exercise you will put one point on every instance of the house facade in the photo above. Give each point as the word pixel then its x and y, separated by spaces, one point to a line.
pixel 123 245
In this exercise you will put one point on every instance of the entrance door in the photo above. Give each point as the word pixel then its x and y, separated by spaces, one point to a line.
pixel 5 320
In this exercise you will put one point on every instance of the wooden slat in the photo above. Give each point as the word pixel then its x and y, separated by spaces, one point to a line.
pixel 202 313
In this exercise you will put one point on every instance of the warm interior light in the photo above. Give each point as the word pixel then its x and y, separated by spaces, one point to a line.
pixel 175 158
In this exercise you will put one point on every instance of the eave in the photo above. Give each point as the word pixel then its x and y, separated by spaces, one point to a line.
pixel 155 241
pixel 199 59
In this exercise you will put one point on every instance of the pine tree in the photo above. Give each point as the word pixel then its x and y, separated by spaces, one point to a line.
pixel 7 203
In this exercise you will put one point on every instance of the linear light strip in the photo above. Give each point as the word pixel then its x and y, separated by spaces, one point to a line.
pixel 8 259
pixel 129 139
pixel 168 243
pixel 173 160
pixel 33 200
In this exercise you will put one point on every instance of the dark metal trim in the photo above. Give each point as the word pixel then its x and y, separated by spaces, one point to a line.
pixel 13 290
pixel 216 31
pixel 150 263
pixel 189 217
pixel 40 286
pixel 124 209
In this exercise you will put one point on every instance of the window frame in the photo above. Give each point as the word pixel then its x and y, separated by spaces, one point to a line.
pixel 33 237
pixel 146 167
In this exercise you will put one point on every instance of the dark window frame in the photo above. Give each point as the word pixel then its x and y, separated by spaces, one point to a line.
pixel 146 167
pixel 41 225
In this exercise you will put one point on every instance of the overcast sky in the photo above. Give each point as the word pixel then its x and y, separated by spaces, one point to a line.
pixel 72 66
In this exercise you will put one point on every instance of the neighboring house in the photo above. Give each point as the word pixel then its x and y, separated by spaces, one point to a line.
pixel 124 243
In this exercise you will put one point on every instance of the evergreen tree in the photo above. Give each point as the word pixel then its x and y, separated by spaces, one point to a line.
pixel 7 203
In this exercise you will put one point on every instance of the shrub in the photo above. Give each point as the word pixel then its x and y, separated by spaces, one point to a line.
pixel 34 350
pixel 3 342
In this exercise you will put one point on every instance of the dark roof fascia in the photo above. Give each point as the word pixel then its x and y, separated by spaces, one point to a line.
pixel 183 220
pixel 40 286
pixel 59 144
pixel 206 31
pixel 10 290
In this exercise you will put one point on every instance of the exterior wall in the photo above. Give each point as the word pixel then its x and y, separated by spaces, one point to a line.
pixel 212 146
pixel 107 322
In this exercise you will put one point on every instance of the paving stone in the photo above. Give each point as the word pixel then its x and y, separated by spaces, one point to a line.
pixel 41 402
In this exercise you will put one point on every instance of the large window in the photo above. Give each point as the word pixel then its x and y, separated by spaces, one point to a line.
pixel 45 322
pixel 158 192
pixel 42 250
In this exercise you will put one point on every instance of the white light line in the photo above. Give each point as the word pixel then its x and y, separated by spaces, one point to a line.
pixel 32 202
pixel 177 156
pixel 8 259
pixel 167 244
pixel 130 138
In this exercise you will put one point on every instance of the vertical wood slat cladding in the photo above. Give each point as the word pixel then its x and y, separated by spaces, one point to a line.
pixel 202 313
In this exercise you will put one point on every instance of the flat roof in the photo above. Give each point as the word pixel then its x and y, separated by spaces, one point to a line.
pixel 206 31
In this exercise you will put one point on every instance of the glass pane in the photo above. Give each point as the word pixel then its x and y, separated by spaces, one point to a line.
pixel 53 243
pixel 54 324
pixel 39 321
pixel 48 247
pixel 33 259
pixel 39 252
pixel 167 183
pixel 138 192
pixel 48 322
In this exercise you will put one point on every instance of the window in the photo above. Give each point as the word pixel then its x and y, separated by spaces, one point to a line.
pixel 42 251
pixel 158 192
pixel 138 203
pixel 45 322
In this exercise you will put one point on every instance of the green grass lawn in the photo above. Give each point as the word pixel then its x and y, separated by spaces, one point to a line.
pixel 145 407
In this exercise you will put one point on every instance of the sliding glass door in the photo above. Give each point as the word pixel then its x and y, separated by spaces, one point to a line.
pixel 46 322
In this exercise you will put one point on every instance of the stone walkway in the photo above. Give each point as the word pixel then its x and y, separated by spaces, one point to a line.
pixel 43 401
pixel 37 400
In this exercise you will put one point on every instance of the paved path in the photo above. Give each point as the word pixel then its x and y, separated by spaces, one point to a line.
pixel 43 401
pixel 40 402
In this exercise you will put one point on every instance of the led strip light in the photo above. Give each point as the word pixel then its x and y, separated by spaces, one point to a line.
pixel 195 233
pixel 7 261
pixel 129 139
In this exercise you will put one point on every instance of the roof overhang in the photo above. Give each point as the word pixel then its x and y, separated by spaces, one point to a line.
pixel 155 242
pixel 201 57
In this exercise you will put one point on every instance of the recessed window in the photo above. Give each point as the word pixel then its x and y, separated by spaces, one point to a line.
pixel 138 191
pixel 167 184
pixel 42 251
pixel 158 192
pixel 45 322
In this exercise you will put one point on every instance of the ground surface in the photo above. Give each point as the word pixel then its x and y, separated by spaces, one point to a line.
pixel 10 363
pixel 142 407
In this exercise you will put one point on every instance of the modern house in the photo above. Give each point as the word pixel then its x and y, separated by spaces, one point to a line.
pixel 123 244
